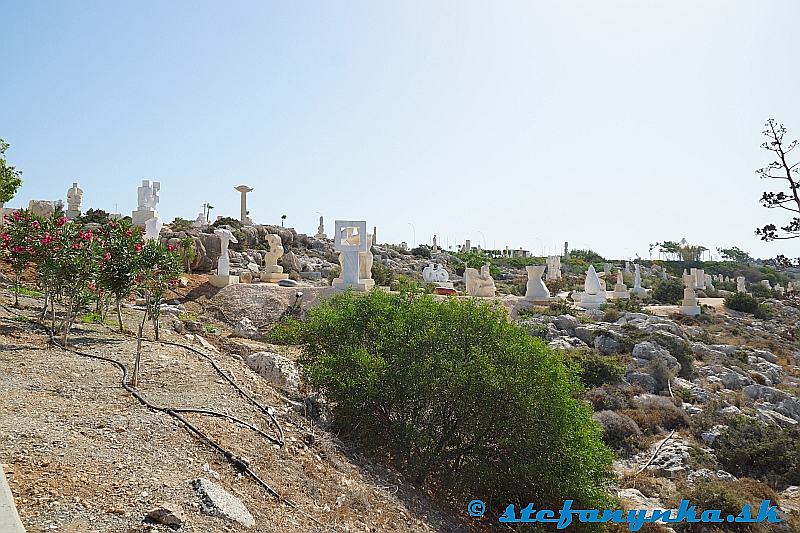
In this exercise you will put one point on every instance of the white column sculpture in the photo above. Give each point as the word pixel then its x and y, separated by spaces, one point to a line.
pixel 740 284
pixel 593 295
pixel 638 290
pixel 243 218
pixel 689 305
pixel 321 229
pixel 553 267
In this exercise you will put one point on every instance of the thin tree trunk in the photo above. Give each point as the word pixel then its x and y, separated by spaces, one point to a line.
pixel 67 313
pixel 135 377
pixel 119 317
pixel 16 289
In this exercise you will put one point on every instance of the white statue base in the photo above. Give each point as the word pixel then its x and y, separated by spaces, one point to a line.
pixel 72 215
pixel 363 285
pixel 141 216
pixel 222 281
pixel 690 310
pixel 273 277
pixel 619 295
pixel 590 301
pixel 443 284
pixel 639 293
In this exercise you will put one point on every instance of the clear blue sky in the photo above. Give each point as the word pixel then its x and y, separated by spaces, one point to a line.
pixel 609 124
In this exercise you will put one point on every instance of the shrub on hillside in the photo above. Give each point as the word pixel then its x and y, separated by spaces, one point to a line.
pixel 654 414
pixel 668 291
pixel 421 251
pixel 620 432
pixel 727 496
pixel 746 303
pixel 594 369
pixel 458 395
pixel 750 448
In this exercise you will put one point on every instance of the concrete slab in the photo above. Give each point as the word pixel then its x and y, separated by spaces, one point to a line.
pixel 9 519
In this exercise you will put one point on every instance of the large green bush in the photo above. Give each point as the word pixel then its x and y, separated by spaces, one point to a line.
pixel 746 303
pixel 458 396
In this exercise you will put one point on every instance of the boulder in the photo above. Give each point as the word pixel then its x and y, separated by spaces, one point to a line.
pixel 168 514
pixel 246 329
pixel 280 371
pixel 607 344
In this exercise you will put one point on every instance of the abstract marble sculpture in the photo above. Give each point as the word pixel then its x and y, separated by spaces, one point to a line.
pixel 351 241
pixel 553 267
pixel 593 295
pixel 74 198
pixel 480 284
pixel 273 272
pixel 536 291
pixel 147 201
pixel 223 277
pixel 638 290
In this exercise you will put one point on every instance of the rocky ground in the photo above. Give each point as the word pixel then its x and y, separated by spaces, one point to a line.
pixel 82 454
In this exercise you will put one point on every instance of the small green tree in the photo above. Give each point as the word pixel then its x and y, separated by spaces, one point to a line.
pixel 457 393
pixel 180 224
pixel 10 177
pixel 120 264
pixel 734 254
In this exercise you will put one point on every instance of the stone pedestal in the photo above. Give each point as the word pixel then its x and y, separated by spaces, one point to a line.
pixel 273 277
pixel 222 281
pixel 591 301
pixel 690 310
pixel 363 285
pixel 142 215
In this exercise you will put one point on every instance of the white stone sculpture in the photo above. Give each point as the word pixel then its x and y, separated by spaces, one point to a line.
pixel 699 278
pixel 689 305
pixel 243 218
pixel 321 230
pixel 740 284
pixel 536 291
pixel 593 295
pixel 273 272
pixel 480 284
pixel 621 292
pixel 147 201
pixel 709 282
pixel 638 290
pixel 435 273
pixel 689 280
pixel 553 267
pixel 351 241
pixel 200 221
pixel 780 289
pixel 152 228
pixel 365 260
pixel 435 246
pixel 74 199
pixel 223 277
pixel 765 283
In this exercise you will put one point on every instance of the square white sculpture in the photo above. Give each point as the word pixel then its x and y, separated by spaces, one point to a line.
pixel 350 239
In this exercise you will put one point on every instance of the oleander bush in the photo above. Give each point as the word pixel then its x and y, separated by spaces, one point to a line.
pixel 463 400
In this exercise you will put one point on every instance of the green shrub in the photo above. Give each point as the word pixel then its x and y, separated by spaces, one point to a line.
pixel 227 221
pixel 382 274
pixel 458 396
pixel 421 251
pixel 620 432
pixel 668 291
pixel 752 449
pixel 595 369
pixel 728 496
pixel 654 414
pixel 746 303
pixel 607 398
pixel 180 224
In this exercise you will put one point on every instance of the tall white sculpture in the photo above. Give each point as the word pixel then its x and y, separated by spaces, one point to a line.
pixel 765 283
pixel 621 292
pixel 553 268
pixel 273 272
pixel 593 295
pixel 536 291
pixel 147 201
pixel 637 281
pixel 74 198
pixel 243 218
pixel 740 284
pixel 689 305
pixel 365 260
pixel 435 246
pixel 699 278
pixel 480 284
pixel 709 282
pixel 350 240
pixel 223 277
pixel 321 229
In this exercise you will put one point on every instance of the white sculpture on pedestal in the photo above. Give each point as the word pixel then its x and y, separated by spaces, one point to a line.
pixel 553 267
pixel 365 260
pixel 709 282
pixel 480 284
pixel 223 277
pixel 321 230
pixel 620 290
pixel 152 228
pixel 273 272
pixel 689 305
pixel 637 281
pixel 74 198
pixel 536 291
pixel 435 273
pixel 699 278
pixel 593 295
pixel 765 283
pixel 351 241
pixel 147 202
pixel 740 284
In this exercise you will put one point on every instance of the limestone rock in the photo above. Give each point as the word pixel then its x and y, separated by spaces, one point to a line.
pixel 216 501
pixel 168 514
pixel 607 344
pixel 280 371
pixel 245 328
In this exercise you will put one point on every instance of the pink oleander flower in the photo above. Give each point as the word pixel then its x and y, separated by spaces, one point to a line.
pixel 61 221
pixel 170 248
pixel 36 224
pixel 87 235
pixel 47 239
pixel 138 247
pixel 16 215
pixel 6 237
